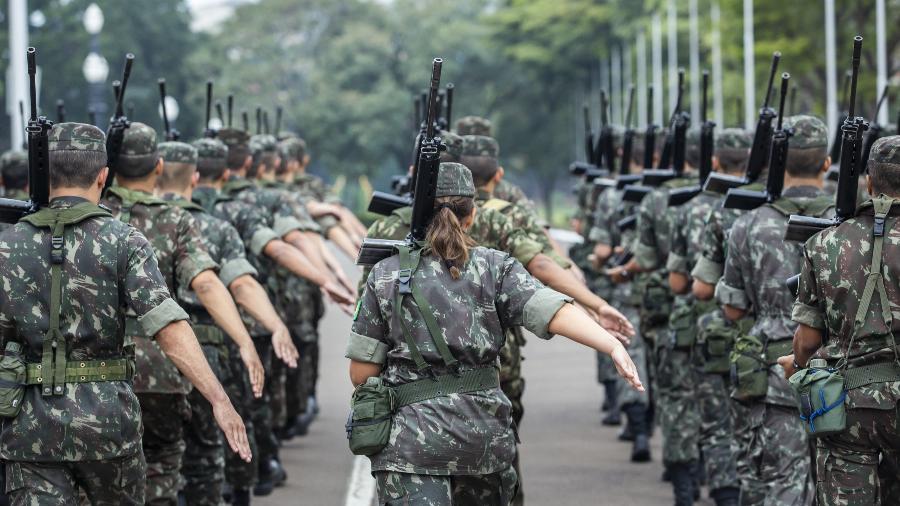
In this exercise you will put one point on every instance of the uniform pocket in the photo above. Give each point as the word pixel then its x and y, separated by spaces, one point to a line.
pixel 12 381
pixel 14 480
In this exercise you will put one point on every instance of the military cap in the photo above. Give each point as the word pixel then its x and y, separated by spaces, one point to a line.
pixel 263 143
pixel 292 148
pixel 454 144
pixel 76 137
pixel 454 180
pixel 809 132
pixel 210 149
pixel 473 125
pixel 886 150
pixel 139 152
pixel 13 161
pixel 234 138
pixel 734 138
pixel 178 152
pixel 480 145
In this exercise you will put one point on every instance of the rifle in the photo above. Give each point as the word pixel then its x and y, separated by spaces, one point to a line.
pixel 279 111
pixel 60 111
pixel 37 133
pixel 230 109
pixel 835 169
pixel 219 112
pixel 588 135
pixel 650 132
pixel 258 120
pixel 628 137
pixel 604 154
pixel 117 124
pixel 171 133
pixel 246 120
pixel 449 96
pixel 207 131
pixel 373 251
pixel 874 131
pixel 759 151
pixel 671 163
pixel 265 115
pixel 801 228
pixel 681 196
pixel 746 200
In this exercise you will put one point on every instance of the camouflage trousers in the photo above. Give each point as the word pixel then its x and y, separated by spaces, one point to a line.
pixel 511 381
pixel 676 408
pixel 859 465
pixel 396 489
pixel 717 441
pixel 239 474
pixel 775 467
pixel 204 456
pixel 261 408
pixel 164 418
pixel 112 482
pixel 292 387
pixel 637 350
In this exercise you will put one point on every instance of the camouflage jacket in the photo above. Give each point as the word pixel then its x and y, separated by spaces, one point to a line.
pixel 655 222
pixel 686 240
pixel 109 273
pixel 608 210
pixel 509 192
pixel 299 190
pixel 523 219
pixel 181 254
pixel 490 229
pixel 759 261
pixel 461 433
pixel 836 265
pixel 253 227
pixel 225 247
pixel 312 186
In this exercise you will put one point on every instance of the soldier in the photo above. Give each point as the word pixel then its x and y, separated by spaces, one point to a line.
pixel 758 262
pixel 716 433
pixel 204 460
pixel 844 316
pixel 185 264
pixel 79 425
pixel 457 466
pixel 14 177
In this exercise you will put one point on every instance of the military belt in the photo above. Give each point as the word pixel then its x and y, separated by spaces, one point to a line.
pixel 115 369
pixel 208 334
pixel 883 372
pixel 473 380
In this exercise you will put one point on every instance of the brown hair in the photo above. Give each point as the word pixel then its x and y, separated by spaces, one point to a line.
pixel 446 236
pixel 483 168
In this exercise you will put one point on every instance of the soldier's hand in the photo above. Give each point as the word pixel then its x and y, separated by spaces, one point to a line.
pixel 619 275
pixel 233 427
pixel 788 364
pixel 254 368
pixel 626 368
pixel 338 294
pixel 284 347
pixel 320 209
pixel 615 323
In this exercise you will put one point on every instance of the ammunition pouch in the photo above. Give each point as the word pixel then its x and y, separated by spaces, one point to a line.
pixel 656 301
pixel 750 363
pixel 683 326
pixel 12 380
pixel 716 340
pixel 371 417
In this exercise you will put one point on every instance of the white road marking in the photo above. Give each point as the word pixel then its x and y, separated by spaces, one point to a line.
pixel 361 487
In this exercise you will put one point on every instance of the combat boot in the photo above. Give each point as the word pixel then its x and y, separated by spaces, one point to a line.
pixel 240 497
pixel 637 425
pixel 726 496
pixel 609 395
pixel 682 483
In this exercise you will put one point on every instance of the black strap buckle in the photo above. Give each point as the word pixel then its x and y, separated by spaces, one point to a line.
pixel 879 226
pixel 56 250
pixel 404 278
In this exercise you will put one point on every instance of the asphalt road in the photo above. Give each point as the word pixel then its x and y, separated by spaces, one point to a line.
pixel 568 457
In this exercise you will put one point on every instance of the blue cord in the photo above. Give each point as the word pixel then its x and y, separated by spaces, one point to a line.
pixel 824 409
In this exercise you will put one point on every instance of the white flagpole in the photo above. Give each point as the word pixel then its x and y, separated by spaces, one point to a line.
pixel 673 54
pixel 718 99
pixel 642 105
pixel 657 71
pixel 749 67
pixel 881 56
pixel 694 78
pixel 830 66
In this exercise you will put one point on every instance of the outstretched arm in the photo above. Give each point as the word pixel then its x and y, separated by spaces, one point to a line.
pixel 251 296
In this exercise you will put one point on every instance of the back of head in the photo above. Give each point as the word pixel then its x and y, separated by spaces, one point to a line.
pixel 77 154
pixel 212 157
pixel 480 154
pixel 808 146
pixel 884 166
pixel 180 164
pixel 733 149
pixel 453 203
pixel 14 170
pixel 139 153
pixel 292 149
pixel 473 125
pixel 264 149
pixel 238 144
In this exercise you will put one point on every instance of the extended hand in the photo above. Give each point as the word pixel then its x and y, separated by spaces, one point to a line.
pixel 231 424
pixel 626 368
pixel 254 368
pixel 615 323
pixel 338 294
pixel 284 347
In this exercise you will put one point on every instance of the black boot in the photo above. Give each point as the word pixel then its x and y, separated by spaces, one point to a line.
pixel 637 425
pixel 682 483
pixel 240 497
pixel 265 482
pixel 279 475
pixel 609 395
pixel 726 496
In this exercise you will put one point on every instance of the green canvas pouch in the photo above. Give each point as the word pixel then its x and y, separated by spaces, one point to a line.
pixel 749 369
pixel 371 417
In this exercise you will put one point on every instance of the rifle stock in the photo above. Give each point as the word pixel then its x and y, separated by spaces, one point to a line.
pixel 635 193
pixel 384 203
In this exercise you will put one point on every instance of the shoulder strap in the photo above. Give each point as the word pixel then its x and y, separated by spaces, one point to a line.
pixel 49 217
pixel 875 280
pixel 409 262
pixel 496 204
pixel 131 198
pixel 187 205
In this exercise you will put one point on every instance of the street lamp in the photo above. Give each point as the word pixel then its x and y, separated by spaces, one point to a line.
pixel 95 67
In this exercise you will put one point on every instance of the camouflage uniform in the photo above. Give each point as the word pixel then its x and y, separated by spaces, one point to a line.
pixel 182 255
pixel 88 438
pixel 858 465
pixel 494 280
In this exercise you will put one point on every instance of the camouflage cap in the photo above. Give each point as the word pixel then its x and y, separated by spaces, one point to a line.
pixel 454 145
pixel 292 148
pixel 234 138
pixel 178 152
pixel 473 125
pixel 734 138
pixel 886 150
pixel 139 140
pixel 210 149
pixel 480 145
pixel 263 143
pixel 809 132
pixel 76 137
pixel 454 180
pixel 13 161
pixel 287 134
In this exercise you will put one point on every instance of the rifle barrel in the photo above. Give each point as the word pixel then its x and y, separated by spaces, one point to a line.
pixel 126 73
pixel 209 94
pixel 230 108
pixel 776 56
pixel 32 71
pixel 857 53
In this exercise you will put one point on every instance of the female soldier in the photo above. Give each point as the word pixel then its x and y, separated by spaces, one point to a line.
pixel 452 439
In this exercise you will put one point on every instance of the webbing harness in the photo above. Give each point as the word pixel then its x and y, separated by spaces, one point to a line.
pixel 434 386
pixel 53 372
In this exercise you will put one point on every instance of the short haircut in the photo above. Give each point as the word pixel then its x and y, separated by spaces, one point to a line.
pixel 885 178
pixel 75 169
pixel 237 156
pixel 267 158
pixel 176 175
pixel 483 168
pixel 15 177
pixel 732 159
pixel 637 153
pixel 136 166
pixel 806 162
pixel 692 154
pixel 211 169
